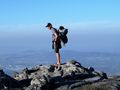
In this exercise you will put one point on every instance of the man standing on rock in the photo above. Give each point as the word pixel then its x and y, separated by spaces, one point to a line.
pixel 56 43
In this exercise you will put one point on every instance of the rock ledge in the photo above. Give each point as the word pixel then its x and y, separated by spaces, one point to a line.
pixel 68 76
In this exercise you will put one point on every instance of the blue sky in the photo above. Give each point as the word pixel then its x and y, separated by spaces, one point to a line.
pixel 27 12
pixel 22 23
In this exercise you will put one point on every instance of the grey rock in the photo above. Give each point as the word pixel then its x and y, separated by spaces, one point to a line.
pixel 68 76
pixel 1 72
pixel 33 87
pixel 7 82
pixel 73 62
pixel 40 80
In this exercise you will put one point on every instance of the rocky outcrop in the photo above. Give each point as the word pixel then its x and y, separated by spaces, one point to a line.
pixel 68 76
pixel 7 82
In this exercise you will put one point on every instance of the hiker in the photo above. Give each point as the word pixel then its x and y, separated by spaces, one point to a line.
pixel 56 43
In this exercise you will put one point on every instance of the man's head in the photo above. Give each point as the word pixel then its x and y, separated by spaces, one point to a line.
pixel 49 25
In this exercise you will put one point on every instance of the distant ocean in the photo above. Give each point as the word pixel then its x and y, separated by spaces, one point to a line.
pixel 101 61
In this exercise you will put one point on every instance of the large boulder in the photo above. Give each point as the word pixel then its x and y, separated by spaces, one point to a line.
pixel 69 74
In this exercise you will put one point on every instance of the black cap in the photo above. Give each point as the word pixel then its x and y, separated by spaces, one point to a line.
pixel 49 24
pixel 61 27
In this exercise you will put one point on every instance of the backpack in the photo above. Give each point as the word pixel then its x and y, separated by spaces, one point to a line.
pixel 63 35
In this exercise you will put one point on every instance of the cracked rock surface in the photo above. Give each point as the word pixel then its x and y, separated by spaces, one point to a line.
pixel 68 76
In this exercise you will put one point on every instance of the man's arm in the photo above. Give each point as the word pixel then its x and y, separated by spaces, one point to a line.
pixel 56 36
pixel 54 32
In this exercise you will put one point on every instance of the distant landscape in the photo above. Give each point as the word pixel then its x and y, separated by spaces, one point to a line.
pixel 99 49
pixel 107 62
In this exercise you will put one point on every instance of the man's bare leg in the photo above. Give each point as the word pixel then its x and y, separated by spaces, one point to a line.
pixel 58 58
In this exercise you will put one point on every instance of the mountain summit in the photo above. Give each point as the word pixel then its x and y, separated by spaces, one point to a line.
pixel 67 76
